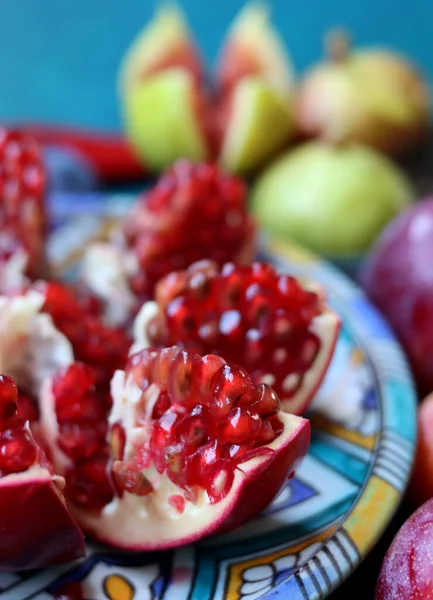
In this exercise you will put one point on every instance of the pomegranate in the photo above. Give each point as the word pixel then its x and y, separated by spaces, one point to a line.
pixel 398 277
pixel 280 332
pixel 371 96
pixel 241 125
pixel 407 572
pixel 36 527
pixel 421 484
pixel 22 207
pixel 156 236
pixel 194 448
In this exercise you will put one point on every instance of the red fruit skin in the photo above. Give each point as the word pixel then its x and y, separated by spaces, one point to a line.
pixel 259 490
pixel 421 484
pixel 36 527
pixel 398 277
pixel 407 570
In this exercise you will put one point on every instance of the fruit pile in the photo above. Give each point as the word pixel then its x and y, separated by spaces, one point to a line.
pixel 137 407
pixel 336 190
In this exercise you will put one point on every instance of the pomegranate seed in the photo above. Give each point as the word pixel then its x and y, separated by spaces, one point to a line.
pixel 177 502
pixel 180 385
pixel 161 406
pixel 193 430
pixel 88 485
pixel 18 451
pixel 133 482
pixel 266 435
pixel 84 409
pixel 80 441
pixel 28 409
pixel 267 403
pixel 117 441
pixel 162 364
pixel 229 384
pixel 73 381
pixel 8 398
pixel 240 426
pixel 218 479
pixel 202 374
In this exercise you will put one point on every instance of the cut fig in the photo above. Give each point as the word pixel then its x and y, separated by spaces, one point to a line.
pixel 240 125
pixel 36 527
pixel 253 48
pixel 156 236
pixel 280 332
pixel 196 448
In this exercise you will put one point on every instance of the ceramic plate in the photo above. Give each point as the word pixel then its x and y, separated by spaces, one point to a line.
pixel 326 519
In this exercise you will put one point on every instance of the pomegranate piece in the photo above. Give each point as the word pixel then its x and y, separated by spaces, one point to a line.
pixel 32 509
pixel 407 570
pixel 176 473
pixel 278 330
pixel 194 212
pixel 94 343
pixel 22 206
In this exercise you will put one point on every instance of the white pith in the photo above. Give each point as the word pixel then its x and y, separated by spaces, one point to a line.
pixel 12 271
pixel 31 348
pixel 326 326
pixel 150 521
pixel 106 270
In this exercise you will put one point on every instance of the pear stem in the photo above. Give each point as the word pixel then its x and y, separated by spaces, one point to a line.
pixel 337 45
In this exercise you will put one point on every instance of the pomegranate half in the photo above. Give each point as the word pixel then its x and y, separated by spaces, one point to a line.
pixel 282 333
pixel 36 527
pixel 195 448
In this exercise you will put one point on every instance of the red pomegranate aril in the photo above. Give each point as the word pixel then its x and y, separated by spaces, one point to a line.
pixel 267 402
pixel 202 375
pixel 178 502
pixel 8 398
pixel 230 325
pixel 117 441
pixel 218 480
pixel 161 405
pixel 80 441
pixel 240 426
pixel 73 381
pixel 229 384
pixel 18 451
pixel 83 409
pixel 180 384
pixel 193 431
pixel 130 481
pixel 266 435
pixel 88 485
pixel 162 364
pixel 28 409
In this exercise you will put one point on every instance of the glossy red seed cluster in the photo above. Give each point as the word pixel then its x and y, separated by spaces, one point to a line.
pixel 22 191
pixel 102 347
pixel 194 211
pixel 82 427
pixel 18 450
pixel 249 315
pixel 208 417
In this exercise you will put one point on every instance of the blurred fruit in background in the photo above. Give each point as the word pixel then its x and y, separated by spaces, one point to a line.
pixel 398 277
pixel 421 485
pixel 334 199
pixel 407 571
pixel 372 96
pixel 171 112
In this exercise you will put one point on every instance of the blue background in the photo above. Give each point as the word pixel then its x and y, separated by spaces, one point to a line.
pixel 59 58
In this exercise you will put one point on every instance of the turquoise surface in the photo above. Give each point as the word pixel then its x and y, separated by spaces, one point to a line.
pixel 58 58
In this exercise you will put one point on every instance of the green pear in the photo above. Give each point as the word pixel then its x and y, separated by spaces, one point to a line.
pixel 334 199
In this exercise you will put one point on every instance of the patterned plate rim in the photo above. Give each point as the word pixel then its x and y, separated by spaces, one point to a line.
pixel 384 486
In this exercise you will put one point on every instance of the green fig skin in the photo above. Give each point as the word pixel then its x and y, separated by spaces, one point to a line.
pixel 334 200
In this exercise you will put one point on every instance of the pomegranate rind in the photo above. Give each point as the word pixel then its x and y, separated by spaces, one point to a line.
pixel 254 47
pixel 162 121
pixel 166 41
pixel 260 123
pixel 151 523
pixel 36 527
